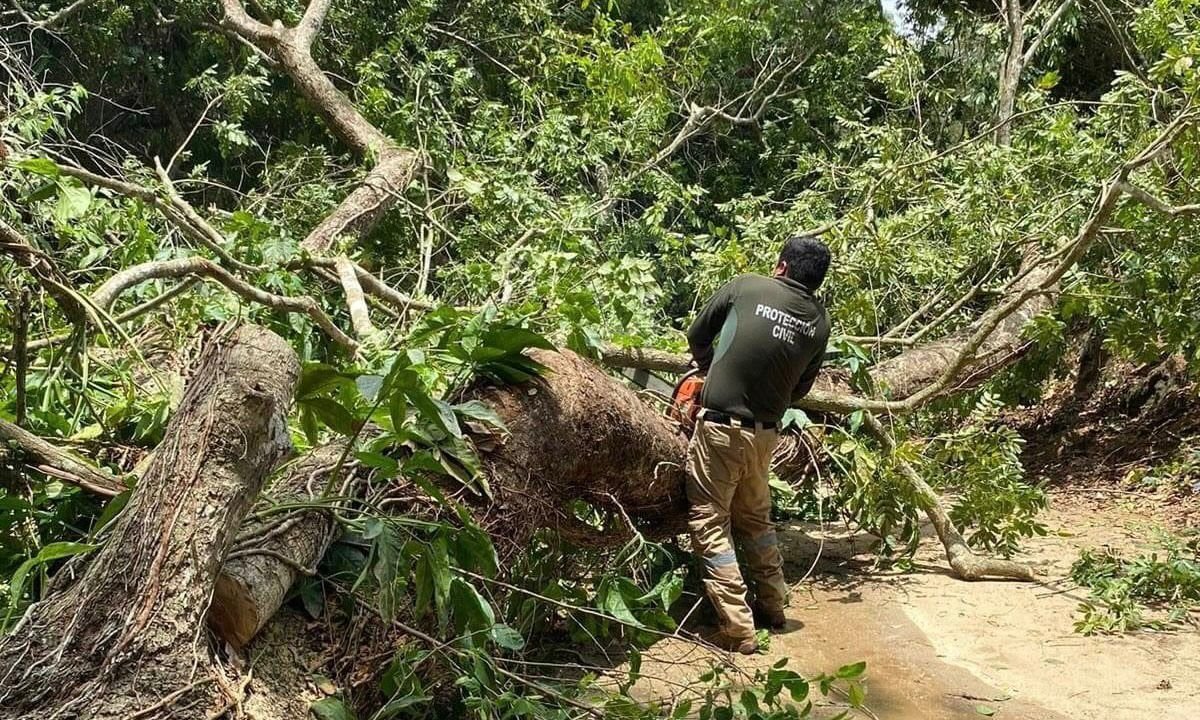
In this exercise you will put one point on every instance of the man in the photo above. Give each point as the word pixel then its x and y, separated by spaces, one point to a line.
pixel 770 335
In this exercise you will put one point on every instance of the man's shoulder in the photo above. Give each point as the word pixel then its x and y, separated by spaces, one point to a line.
pixel 749 281
pixel 739 286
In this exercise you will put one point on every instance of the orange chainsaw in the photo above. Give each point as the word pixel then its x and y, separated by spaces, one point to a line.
pixel 685 399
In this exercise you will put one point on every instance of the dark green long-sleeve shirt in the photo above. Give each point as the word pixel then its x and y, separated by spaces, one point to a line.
pixel 770 335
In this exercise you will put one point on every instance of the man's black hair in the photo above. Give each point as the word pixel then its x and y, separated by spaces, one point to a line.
pixel 807 260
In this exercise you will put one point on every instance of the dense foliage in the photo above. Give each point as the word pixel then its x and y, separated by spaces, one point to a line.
pixel 589 173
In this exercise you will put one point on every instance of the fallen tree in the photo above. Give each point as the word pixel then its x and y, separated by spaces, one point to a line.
pixel 124 638
pixel 570 435
pixel 97 648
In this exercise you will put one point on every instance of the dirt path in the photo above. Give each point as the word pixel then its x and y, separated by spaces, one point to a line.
pixel 940 648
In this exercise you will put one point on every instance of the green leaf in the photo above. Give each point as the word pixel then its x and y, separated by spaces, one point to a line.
pixel 513 372
pixel 111 510
pixel 476 410
pixel 48 553
pixel 45 191
pixel 8 502
pixel 437 559
pixel 369 386
pixel 316 379
pixel 797 687
pixel 668 589
pixel 423 460
pixel 856 694
pixel 514 339
pixel 390 567
pixel 73 201
pixel 332 414
pixel 387 466
pixel 312 596
pixel 397 410
pixel 435 411
pixel 331 708
pixel 461 463
pixel 795 417
pixel 373 527
pixel 985 710
pixel 473 548
pixel 507 637
pixel 38 166
pixel 846 672
pixel 423 581
pixel 308 423
pixel 482 670
pixel 749 703
pixel 613 601
pixel 448 420
pixel 468 608
pixel 93 256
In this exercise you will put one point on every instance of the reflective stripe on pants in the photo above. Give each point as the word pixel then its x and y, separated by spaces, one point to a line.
pixel 729 497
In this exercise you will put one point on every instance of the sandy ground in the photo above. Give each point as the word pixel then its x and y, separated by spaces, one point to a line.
pixel 941 648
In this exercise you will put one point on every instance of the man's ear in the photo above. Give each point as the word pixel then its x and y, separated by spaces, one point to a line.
pixel 780 268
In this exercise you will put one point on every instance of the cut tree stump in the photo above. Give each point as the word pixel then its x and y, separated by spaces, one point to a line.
pixel 269 556
pixel 128 632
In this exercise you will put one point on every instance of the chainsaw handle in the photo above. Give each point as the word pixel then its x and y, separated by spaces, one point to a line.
pixel 683 378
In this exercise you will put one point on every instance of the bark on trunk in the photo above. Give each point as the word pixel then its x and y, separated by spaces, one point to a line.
pixel 1092 359
pixel 129 632
pixel 269 556
pixel 1009 77
pixel 576 433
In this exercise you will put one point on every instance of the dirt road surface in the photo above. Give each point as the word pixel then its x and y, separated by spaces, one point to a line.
pixel 939 648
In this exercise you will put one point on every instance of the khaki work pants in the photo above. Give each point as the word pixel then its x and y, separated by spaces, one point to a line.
pixel 729 497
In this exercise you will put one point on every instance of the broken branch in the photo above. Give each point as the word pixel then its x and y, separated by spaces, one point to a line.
pixel 965 563
pixel 182 267
pixel 71 469
pixel 360 314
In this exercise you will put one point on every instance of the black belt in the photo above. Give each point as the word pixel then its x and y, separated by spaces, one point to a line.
pixel 735 420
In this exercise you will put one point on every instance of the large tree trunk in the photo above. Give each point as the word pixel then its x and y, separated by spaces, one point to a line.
pixel 129 631
pixel 269 556
pixel 579 434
